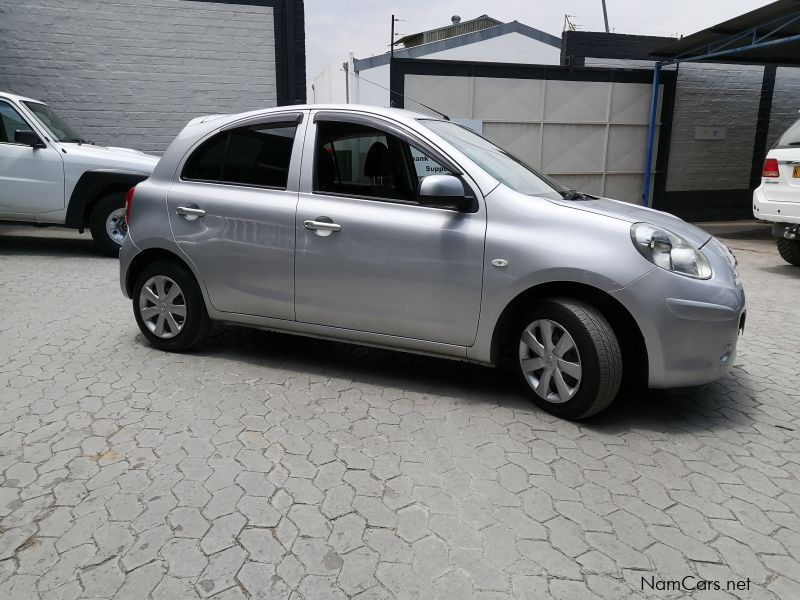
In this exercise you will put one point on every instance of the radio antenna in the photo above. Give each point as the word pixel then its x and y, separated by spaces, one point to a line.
pixel 438 112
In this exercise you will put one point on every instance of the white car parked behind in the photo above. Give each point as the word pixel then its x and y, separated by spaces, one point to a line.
pixel 777 199
pixel 49 175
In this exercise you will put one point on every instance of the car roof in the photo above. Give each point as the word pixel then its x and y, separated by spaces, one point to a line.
pixel 17 98
pixel 393 113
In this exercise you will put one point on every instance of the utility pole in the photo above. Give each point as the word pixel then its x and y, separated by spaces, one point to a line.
pixel 391 41
pixel 391 62
pixel 346 67
pixel 605 14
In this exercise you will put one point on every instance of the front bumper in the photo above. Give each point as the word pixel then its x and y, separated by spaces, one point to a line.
pixel 690 326
pixel 782 212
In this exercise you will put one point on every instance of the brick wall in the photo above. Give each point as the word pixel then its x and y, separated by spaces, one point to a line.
pixel 709 178
pixel 132 73
pixel 785 102
pixel 714 95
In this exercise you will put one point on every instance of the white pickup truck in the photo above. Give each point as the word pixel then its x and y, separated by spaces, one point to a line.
pixel 50 176
pixel 777 199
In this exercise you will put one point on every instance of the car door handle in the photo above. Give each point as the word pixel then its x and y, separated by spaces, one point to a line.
pixel 190 212
pixel 321 226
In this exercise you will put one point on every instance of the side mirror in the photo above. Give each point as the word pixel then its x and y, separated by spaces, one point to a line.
pixel 444 191
pixel 29 138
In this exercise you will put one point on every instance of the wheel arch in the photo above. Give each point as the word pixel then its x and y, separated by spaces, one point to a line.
pixel 634 350
pixel 91 187
pixel 147 257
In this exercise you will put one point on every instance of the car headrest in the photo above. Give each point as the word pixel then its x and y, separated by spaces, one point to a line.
pixel 378 162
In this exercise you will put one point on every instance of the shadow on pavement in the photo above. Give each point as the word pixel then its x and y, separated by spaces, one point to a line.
pixel 689 409
pixel 14 244
pixel 785 270
pixel 374 366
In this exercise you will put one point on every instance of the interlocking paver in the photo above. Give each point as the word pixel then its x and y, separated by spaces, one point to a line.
pixel 358 571
pixel 223 533
pixel 262 546
pixel 221 571
pixel 281 467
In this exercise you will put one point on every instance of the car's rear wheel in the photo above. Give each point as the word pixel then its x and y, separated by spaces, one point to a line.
pixel 568 358
pixel 107 223
pixel 169 307
pixel 789 251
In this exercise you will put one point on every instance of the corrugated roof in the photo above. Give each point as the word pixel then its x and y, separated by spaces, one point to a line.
pixel 458 41
pixel 452 30
pixel 783 15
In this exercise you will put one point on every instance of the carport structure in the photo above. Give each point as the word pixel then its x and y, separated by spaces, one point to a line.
pixel 768 36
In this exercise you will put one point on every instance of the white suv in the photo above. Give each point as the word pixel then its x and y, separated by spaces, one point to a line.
pixel 777 199
pixel 50 176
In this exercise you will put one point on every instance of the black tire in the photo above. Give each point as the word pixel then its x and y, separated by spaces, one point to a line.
pixel 195 324
pixel 789 251
pixel 594 346
pixel 97 222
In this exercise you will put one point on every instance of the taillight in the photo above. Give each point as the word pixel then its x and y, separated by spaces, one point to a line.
pixel 128 204
pixel 770 168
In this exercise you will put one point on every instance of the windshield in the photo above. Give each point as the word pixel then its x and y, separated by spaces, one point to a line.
pixel 59 128
pixel 501 165
pixel 791 137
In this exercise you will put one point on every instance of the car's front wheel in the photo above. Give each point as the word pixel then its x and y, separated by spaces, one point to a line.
pixel 169 307
pixel 789 251
pixel 568 358
pixel 107 223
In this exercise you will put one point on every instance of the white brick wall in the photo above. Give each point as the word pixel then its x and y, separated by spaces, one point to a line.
pixel 132 73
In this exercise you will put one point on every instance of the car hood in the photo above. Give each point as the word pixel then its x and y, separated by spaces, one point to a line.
pixel 124 158
pixel 633 213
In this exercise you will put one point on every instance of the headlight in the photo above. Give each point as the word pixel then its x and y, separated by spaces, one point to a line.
pixel 669 251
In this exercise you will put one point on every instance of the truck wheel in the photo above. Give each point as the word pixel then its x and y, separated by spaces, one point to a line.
pixel 569 360
pixel 169 307
pixel 107 223
pixel 789 251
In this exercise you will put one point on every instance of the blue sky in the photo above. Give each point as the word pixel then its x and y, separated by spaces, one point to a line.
pixel 336 27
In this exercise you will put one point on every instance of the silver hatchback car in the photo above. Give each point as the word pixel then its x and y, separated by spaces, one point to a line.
pixel 394 229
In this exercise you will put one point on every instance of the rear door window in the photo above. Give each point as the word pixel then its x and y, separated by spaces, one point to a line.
pixel 207 161
pixel 257 155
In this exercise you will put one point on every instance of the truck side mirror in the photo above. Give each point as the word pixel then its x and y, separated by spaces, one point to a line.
pixel 29 138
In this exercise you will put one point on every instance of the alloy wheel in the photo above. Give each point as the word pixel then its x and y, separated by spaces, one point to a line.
pixel 550 361
pixel 162 306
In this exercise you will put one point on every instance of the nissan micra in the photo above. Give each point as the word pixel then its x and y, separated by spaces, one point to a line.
pixel 395 229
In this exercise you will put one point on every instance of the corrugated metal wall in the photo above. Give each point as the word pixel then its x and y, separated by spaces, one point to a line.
pixel 589 135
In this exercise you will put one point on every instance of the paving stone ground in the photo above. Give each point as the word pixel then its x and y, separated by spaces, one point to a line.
pixel 266 466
